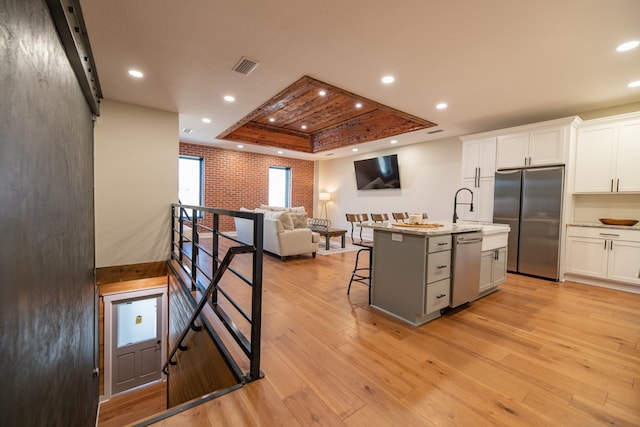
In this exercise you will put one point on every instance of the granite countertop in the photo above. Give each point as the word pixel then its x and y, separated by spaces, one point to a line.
pixel 600 225
pixel 445 228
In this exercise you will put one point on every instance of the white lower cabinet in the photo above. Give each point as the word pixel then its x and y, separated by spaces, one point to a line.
pixel 600 253
pixel 493 269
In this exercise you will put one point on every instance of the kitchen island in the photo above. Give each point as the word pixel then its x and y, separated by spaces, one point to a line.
pixel 413 267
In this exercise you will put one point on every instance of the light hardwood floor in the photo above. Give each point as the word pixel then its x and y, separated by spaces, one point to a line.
pixel 533 353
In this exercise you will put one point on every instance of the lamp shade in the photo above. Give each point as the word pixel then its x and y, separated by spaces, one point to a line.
pixel 324 196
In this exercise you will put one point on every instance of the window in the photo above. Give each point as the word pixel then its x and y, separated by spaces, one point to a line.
pixel 279 186
pixel 190 179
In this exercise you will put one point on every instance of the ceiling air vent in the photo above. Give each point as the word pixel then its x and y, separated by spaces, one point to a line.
pixel 245 66
pixel 431 132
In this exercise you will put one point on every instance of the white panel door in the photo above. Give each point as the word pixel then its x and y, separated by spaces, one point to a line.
pixel 595 161
pixel 547 147
pixel 470 155
pixel 624 261
pixel 587 256
pixel 628 157
pixel 512 150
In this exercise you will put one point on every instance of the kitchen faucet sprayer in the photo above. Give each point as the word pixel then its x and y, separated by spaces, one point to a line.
pixel 455 203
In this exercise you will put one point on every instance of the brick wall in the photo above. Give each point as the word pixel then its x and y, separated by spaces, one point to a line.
pixel 235 179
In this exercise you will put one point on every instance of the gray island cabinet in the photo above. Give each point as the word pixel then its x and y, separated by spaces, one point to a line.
pixel 412 268
pixel 411 272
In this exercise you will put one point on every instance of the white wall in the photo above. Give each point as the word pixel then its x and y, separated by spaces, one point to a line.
pixel 429 176
pixel 136 180
pixel 590 207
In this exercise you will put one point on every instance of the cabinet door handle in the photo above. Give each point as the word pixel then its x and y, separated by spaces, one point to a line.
pixel 442 266
pixel 610 245
pixel 610 234
pixel 605 245
pixel 612 185
pixel 440 296
pixel 617 185
pixel 442 243
pixel 478 179
pixel 529 161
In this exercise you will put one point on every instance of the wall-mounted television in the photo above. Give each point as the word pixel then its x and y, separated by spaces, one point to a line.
pixel 377 173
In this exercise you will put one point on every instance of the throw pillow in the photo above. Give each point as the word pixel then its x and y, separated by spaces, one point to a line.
pixel 282 216
pixel 286 221
pixel 272 208
pixel 298 209
pixel 299 219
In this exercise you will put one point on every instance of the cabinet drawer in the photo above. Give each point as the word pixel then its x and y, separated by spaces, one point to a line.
pixel 440 243
pixel 604 233
pixel 438 295
pixel 438 266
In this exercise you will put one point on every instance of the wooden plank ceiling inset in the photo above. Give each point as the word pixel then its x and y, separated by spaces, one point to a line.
pixel 332 121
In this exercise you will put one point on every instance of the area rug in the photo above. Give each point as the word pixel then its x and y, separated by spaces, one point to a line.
pixel 334 248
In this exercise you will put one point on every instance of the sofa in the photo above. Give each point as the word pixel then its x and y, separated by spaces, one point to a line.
pixel 285 232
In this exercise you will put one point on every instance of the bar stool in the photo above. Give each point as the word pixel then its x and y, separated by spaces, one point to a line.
pixel 358 274
pixel 379 217
pixel 400 216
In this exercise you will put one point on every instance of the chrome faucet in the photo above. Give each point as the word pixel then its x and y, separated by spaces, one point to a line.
pixel 455 203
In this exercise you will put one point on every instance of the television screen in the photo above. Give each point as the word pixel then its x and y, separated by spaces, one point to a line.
pixel 377 173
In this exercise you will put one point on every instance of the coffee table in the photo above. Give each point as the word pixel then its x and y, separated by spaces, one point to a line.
pixel 328 233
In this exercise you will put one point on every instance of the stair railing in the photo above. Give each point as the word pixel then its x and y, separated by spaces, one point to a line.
pixel 188 252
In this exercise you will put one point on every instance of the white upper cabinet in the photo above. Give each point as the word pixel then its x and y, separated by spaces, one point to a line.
pixel 478 171
pixel 479 158
pixel 537 147
pixel 513 151
pixel 607 156
pixel 628 157
pixel 595 159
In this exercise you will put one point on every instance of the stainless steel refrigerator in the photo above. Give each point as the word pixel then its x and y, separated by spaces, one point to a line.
pixel 530 201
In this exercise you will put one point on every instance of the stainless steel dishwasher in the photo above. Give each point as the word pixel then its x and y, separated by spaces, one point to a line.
pixel 465 285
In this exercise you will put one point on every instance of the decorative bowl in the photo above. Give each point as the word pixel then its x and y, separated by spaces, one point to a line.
pixel 612 221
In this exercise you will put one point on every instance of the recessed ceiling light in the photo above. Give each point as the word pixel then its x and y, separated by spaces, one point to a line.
pixel 322 92
pixel 303 126
pixel 394 141
pixel 354 149
pixel 240 146
pixel 359 105
pixel 187 130
pixel 441 106
pixel 280 151
pixel 229 98
pixel 388 79
pixel 628 46
pixel 206 120
pixel 135 73
pixel 271 119
pixel 634 84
